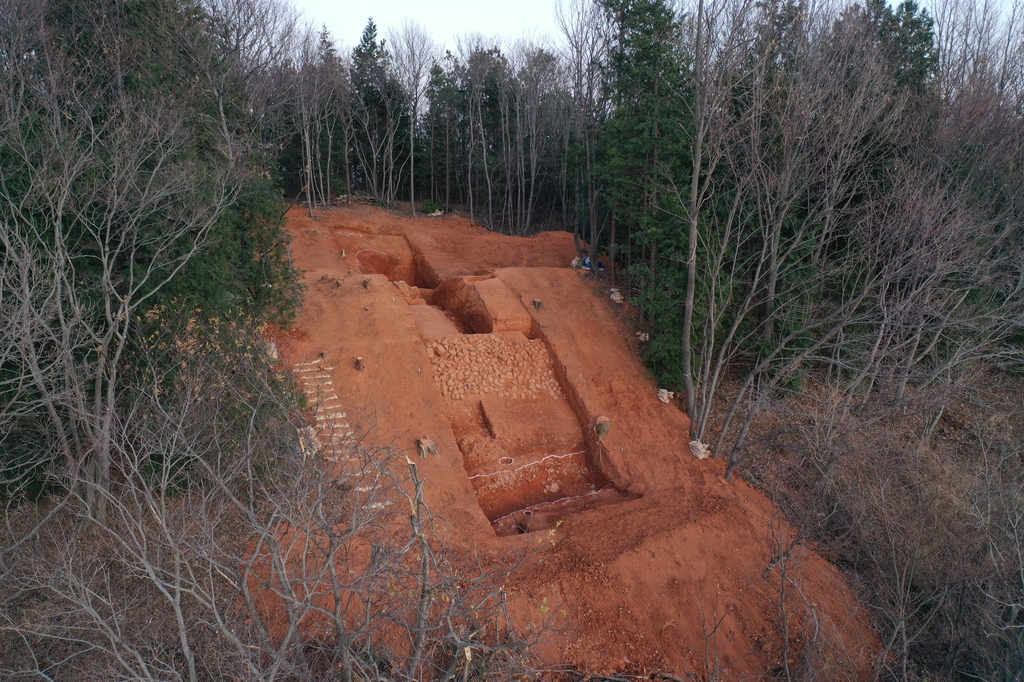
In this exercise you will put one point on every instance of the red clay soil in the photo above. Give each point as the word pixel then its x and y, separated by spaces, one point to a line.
pixel 642 558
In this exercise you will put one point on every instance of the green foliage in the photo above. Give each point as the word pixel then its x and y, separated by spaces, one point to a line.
pixel 660 302
pixel 142 133
pixel 907 31
pixel 647 137
pixel 212 365
pixel 370 62
pixel 245 265
pixel 644 160
pixel 383 139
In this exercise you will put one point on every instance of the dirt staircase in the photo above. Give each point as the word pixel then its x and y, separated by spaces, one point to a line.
pixel 330 434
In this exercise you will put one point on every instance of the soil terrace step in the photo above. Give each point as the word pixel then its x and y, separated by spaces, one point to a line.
pixel 331 435
pixel 635 545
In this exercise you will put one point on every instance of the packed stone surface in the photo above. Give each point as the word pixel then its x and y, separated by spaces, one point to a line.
pixel 482 363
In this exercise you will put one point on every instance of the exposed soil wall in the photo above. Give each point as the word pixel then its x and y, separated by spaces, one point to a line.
pixel 459 297
pixel 639 556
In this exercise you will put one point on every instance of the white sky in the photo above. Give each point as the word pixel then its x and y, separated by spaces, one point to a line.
pixel 447 19
pixel 443 19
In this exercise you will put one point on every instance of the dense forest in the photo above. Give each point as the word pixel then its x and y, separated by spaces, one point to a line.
pixel 817 210
pixel 786 187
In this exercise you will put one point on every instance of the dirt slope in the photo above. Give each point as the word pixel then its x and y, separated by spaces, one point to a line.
pixel 643 557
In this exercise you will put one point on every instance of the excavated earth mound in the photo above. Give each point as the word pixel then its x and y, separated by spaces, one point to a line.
pixel 640 556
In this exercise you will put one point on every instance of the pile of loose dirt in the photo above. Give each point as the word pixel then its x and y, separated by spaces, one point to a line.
pixel 487 364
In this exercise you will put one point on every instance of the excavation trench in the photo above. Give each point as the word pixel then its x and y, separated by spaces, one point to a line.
pixel 612 589
pixel 523 447
pixel 528 453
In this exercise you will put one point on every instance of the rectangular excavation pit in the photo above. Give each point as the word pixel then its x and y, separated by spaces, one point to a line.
pixel 470 304
pixel 482 305
pixel 523 446
pixel 528 463
pixel 379 254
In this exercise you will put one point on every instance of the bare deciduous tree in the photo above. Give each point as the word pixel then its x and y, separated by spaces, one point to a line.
pixel 414 54
pixel 227 552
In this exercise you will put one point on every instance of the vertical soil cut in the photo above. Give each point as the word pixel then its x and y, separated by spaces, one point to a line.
pixel 505 358
pixel 523 444
pixel 523 447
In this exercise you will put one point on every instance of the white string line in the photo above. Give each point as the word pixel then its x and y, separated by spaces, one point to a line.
pixel 535 508
pixel 529 464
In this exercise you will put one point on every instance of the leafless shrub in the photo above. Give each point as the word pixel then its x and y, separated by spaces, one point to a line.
pixel 919 511
pixel 227 553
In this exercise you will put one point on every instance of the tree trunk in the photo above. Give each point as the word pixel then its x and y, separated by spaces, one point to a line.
pixel 412 162
pixel 691 257
pixel 611 249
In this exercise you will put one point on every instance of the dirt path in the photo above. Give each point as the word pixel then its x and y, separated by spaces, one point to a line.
pixel 642 556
